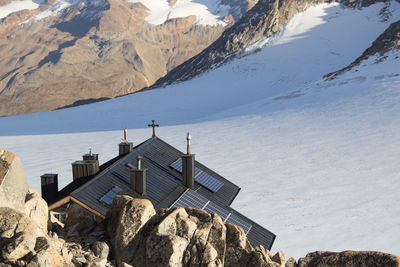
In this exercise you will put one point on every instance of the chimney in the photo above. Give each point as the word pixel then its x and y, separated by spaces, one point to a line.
pixel 125 147
pixel 89 165
pixel 49 186
pixel 138 178
pixel 188 165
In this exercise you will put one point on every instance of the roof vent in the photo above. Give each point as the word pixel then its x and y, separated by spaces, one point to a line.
pixel 89 165
pixel 138 178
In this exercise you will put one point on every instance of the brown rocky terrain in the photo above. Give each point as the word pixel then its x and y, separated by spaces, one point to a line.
pixel 93 50
pixel 134 234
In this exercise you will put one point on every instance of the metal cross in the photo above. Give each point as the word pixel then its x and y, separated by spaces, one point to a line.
pixel 154 127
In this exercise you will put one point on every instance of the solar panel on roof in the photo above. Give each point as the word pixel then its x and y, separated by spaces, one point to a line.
pixel 208 181
pixel 177 165
pixel 108 197
pixel 190 199
pixel 193 199
pixel 234 219
pixel 200 176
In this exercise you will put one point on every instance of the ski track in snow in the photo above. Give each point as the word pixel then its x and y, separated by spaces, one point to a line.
pixel 317 161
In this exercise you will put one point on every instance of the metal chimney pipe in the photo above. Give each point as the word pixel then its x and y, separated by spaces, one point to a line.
pixel 188 165
pixel 139 162
pixel 126 134
pixel 188 138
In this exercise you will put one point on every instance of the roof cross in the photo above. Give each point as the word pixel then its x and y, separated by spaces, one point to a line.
pixel 154 127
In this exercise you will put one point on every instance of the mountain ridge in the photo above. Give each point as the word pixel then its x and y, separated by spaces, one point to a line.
pixel 90 50
pixel 243 34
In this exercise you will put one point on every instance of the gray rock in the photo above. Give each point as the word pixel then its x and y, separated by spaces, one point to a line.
pixel 217 237
pixel 291 262
pixel 349 259
pixel 100 249
pixel 126 217
pixel 13 186
pixel 238 248
pixel 18 234
pixel 79 221
pixel 279 258
pixel 36 208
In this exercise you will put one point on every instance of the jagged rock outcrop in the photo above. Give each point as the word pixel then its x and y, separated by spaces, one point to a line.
pixel 349 259
pixel 387 41
pixel 179 237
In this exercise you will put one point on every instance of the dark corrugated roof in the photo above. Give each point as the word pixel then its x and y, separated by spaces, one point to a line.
pixel 68 189
pixel 164 185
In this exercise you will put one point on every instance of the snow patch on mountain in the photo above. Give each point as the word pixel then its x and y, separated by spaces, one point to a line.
pixel 207 12
pixel 15 6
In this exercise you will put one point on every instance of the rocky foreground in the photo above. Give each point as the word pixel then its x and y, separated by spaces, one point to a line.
pixel 134 234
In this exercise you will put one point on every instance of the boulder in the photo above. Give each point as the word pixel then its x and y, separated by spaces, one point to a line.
pixel 291 262
pixel 168 241
pixel 36 208
pixel 238 247
pixel 217 237
pixel 165 250
pixel 13 186
pixel 50 252
pixel 79 221
pixel 18 234
pixel 126 217
pixel 349 259
pixel 100 249
pixel 279 258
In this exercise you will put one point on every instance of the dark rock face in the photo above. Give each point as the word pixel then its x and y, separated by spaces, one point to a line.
pixel 266 18
pixel 349 259
pixel 387 41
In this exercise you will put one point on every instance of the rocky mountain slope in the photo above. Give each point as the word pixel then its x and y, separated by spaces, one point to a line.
pixel 54 53
pixel 263 21
pixel 388 41
pixel 134 234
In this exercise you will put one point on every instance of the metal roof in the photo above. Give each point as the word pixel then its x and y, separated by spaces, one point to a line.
pixel 164 186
